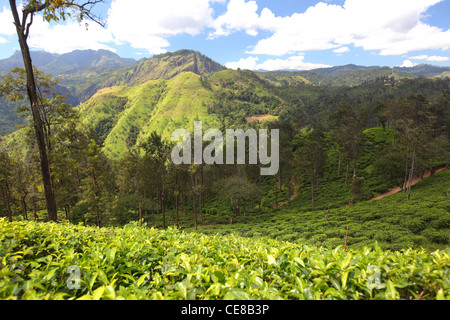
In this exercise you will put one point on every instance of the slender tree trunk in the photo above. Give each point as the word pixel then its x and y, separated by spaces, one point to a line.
pixel 194 205
pixel 280 181
pixel 35 210
pixel 176 210
pixel 140 215
pixel 405 181
pixel 7 200
pixel 346 174
pixel 432 168
pixel 163 209
pixel 157 199
pixel 312 192
pixel 22 32
pixel 276 198
pixel 184 204
pixel 97 195
pixel 289 193
pixel 260 201
pixel 339 164
pixel 393 140
pixel 68 212
pixel 234 215
pixel 194 199
pixel 24 207
pixel 200 200
pixel 411 174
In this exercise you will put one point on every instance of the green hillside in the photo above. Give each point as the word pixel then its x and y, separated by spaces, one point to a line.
pixel 125 116
pixel 393 222
pixel 168 65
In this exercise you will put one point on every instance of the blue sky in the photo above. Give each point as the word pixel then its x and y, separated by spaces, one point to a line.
pixel 257 34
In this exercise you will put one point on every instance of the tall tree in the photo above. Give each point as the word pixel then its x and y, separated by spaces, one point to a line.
pixel 6 176
pixel 349 122
pixel 51 10
pixel 157 154
pixel 310 158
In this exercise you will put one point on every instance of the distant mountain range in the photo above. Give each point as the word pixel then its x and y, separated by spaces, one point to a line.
pixel 104 83
pixel 58 64
pixel 351 75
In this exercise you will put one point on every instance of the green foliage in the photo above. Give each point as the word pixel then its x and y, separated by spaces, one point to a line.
pixel 394 222
pixel 141 263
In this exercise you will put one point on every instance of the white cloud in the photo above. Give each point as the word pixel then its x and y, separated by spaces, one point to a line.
pixel 243 16
pixel 292 63
pixel 438 58
pixel 408 64
pixel 421 57
pixel 6 23
pixel 430 58
pixel 58 37
pixel 63 38
pixel 146 24
pixel 249 63
pixel 341 50
pixel 385 26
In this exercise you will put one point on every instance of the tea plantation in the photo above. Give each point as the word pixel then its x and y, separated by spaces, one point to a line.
pixel 143 263
pixel 394 222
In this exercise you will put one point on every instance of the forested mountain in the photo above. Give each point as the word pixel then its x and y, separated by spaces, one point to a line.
pixel 82 73
pixel 171 90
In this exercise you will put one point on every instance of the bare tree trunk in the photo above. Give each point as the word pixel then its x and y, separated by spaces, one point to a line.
pixel 24 206
pixel 163 209
pixel 195 209
pixel 157 199
pixel 22 32
pixel 280 181
pixel 68 212
pixel 7 200
pixel 393 140
pixel 339 164
pixel 176 210
pixel 184 204
pixel 411 174
pixel 289 193
pixel 194 199
pixel 346 174
pixel 405 182
pixel 200 202
pixel 35 209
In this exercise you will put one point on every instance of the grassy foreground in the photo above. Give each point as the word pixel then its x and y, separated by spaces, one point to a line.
pixel 142 263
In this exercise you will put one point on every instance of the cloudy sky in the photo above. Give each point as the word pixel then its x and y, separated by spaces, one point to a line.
pixel 256 34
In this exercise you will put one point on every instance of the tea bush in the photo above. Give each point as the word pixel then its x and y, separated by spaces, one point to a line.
pixel 142 263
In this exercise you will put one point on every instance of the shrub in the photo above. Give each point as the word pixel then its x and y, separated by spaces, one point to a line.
pixel 435 236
